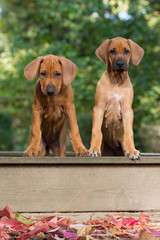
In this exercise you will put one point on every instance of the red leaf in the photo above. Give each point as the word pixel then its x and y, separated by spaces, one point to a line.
pixel 5 213
pixel 70 235
pixel 6 237
pixel 40 228
pixel 65 221
pixel 110 221
pixel 9 210
pixel 11 223
pixel 144 218
pixel 133 222
pixel 154 232
pixel 53 222
pixel 95 222
pixel 129 221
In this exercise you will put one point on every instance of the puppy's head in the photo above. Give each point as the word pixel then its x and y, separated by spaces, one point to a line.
pixel 117 52
pixel 53 72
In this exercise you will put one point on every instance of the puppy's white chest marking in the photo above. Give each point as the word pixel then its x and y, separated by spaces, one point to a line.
pixel 118 97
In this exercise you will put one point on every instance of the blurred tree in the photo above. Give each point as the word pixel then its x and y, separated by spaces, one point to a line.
pixel 6 140
pixel 75 29
pixel 155 5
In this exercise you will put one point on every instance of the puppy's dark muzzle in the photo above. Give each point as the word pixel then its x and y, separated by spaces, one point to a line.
pixel 120 65
pixel 50 91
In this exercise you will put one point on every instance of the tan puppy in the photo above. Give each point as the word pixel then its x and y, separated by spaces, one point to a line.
pixel 53 103
pixel 112 132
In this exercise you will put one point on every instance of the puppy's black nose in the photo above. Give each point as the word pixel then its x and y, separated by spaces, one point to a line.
pixel 50 91
pixel 120 62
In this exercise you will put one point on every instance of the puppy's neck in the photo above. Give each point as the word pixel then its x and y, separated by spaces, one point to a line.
pixel 117 77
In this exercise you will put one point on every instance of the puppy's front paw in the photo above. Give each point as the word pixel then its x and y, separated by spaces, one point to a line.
pixel 81 151
pixel 133 154
pixel 93 152
pixel 30 152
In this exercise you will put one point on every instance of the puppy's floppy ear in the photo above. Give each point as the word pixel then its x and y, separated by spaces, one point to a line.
pixel 32 68
pixel 136 52
pixel 102 51
pixel 69 70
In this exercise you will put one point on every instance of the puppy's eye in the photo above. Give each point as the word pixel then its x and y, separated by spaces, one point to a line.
pixel 58 74
pixel 126 51
pixel 43 74
pixel 112 51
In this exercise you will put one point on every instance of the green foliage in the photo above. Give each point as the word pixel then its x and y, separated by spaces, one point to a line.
pixel 6 141
pixel 22 219
pixel 85 127
pixel 75 29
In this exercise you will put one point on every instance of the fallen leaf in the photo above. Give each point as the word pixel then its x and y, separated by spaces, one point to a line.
pixel 4 213
pixel 144 235
pixel 10 223
pixel 117 232
pixel 82 232
pixel 59 228
pixel 70 235
pixel 144 218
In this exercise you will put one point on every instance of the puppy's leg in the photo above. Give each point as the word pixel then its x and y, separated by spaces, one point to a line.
pixel 62 142
pixel 43 149
pixel 128 142
pixel 58 147
pixel 96 141
pixel 75 138
pixel 35 138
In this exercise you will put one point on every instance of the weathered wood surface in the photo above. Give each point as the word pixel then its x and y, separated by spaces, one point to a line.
pixel 85 216
pixel 20 154
pixel 69 154
pixel 104 184
pixel 16 158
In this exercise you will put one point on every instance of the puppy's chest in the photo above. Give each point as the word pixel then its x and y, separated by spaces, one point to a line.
pixel 114 96
pixel 52 113
pixel 113 108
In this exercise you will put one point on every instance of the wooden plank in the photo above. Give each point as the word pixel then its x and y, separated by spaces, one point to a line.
pixel 20 154
pixel 144 160
pixel 48 184
pixel 69 154
pixel 106 187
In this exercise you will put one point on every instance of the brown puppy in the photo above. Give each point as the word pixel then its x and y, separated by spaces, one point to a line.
pixel 53 103
pixel 112 132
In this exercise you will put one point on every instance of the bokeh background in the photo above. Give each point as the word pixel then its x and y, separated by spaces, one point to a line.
pixel 74 29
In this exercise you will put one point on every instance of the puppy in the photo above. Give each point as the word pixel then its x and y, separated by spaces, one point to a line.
pixel 112 132
pixel 53 104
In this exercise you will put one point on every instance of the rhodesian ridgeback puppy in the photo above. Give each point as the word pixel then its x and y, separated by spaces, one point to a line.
pixel 112 132
pixel 53 104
